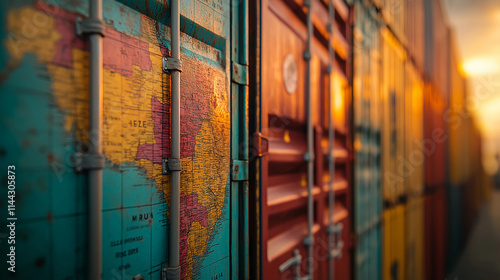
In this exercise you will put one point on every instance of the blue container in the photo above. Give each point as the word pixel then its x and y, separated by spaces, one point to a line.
pixel 44 118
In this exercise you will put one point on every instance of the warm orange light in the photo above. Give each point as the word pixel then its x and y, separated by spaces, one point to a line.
pixel 480 66
pixel 339 85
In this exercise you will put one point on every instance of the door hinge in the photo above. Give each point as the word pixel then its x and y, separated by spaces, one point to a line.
pixel 239 170
pixel 239 73
pixel 260 145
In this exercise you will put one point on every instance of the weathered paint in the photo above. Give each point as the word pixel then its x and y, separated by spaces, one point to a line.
pixel 45 122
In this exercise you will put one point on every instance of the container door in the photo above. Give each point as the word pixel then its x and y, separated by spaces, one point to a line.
pixel 282 124
pixel 51 113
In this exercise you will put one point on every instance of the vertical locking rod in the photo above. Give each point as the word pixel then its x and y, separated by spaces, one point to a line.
pixel 173 270
pixel 309 240
pixel 95 147
pixel 331 137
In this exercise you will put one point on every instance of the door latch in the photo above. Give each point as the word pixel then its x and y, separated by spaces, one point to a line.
pixel 295 262
pixel 336 230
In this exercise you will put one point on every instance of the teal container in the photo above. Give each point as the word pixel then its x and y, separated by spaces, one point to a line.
pixel 44 122
pixel 367 178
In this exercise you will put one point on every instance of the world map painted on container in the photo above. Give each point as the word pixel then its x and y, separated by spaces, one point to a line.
pixel 136 135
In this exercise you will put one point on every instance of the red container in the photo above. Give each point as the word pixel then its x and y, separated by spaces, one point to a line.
pixel 436 46
pixel 415 32
pixel 435 234
pixel 435 143
pixel 281 118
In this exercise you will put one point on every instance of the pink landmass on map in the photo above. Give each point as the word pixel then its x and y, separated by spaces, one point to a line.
pixel 64 23
pixel 120 52
pixel 189 128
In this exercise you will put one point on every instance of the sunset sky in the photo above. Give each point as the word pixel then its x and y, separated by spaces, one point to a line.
pixel 476 25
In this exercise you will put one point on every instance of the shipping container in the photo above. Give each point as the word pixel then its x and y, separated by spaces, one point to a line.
pixel 415 33
pixel 435 234
pixel 280 119
pixel 394 243
pixel 412 165
pixel 435 140
pixel 367 125
pixel 436 46
pixel 393 105
pixel 45 125
pixel 455 116
pixel 414 239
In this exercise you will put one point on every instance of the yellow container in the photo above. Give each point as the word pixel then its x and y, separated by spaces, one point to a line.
pixel 392 97
pixel 394 253
pixel 412 167
pixel 415 239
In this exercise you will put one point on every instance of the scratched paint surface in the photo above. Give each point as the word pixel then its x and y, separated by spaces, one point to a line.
pixel 46 120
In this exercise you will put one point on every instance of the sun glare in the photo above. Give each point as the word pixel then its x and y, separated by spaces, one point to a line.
pixel 479 66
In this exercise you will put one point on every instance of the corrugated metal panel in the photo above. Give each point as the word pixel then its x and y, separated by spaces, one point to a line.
pixel 415 239
pixel 435 234
pixel 393 96
pixel 415 32
pixel 435 143
pixel 283 122
pixel 367 124
pixel 436 46
pixel 412 166
pixel 394 236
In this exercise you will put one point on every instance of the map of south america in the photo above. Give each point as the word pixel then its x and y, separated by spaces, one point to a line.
pixel 136 131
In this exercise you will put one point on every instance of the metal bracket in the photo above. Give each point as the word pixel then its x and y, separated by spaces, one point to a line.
pixel 239 170
pixel 294 261
pixel 88 161
pixel 308 241
pixel 239 73
pixel 171 273
pixel 329 69
pixel 307 55
pixel 337 251
pixel 170 164
pixel 171 64
pixel 89 26
pixel 308 157
pixel 336 229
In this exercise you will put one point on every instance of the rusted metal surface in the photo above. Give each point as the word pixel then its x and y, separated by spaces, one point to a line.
pixel 283 175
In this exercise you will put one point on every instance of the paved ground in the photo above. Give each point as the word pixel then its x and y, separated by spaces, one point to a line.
pixel 481 258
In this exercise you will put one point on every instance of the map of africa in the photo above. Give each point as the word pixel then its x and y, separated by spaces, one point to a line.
pixel 136 137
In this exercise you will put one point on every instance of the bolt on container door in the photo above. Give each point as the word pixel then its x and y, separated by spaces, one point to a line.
pixel 367 117
pixel 283 122
pixel 51 113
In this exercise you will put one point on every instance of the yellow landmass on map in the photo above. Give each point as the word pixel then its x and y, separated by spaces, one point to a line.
pixel 127 100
